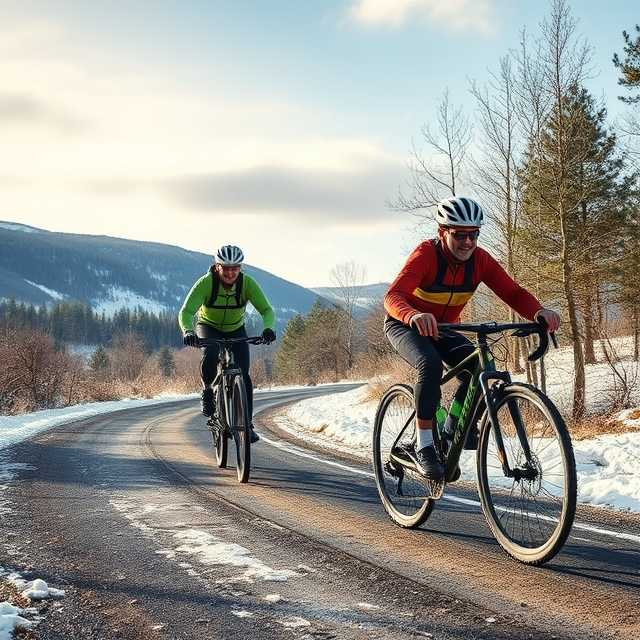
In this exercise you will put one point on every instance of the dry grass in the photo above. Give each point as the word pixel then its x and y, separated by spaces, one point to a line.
pixel 9 593
pixel 594 426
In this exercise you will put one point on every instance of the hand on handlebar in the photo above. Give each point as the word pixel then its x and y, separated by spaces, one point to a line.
pixel 425 324
pixel 550 318
pixel 190 339
pixel 268 336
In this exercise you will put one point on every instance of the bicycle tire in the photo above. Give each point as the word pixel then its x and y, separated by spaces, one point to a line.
pixel 219 433
pixel 404 493
pixel 241 428
pixel 530 517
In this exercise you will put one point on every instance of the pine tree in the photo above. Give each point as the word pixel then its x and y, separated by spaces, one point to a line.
pixel 99 360
pixel 630 68
pixel 287 360
pixel 576 201
pixel 166 362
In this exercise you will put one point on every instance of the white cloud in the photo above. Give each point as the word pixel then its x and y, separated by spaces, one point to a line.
pixel 27 34
pixel 92 146
pixel 452 15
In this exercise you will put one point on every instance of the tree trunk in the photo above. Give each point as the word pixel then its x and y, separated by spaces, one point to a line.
pixel 579 386
pixel 589 332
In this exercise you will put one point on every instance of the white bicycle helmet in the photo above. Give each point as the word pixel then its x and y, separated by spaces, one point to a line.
pixel 229 255
pixel 459 212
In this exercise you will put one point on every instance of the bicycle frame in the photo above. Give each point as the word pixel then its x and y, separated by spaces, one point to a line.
pixel 233 416
pixel 227 370
pixel 481 365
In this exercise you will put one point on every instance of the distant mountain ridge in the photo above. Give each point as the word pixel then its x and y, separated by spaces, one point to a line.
pixel 42 267
pixel 369 295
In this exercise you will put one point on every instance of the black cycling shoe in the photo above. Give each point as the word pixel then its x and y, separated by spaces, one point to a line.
pixel 428 463
pixel 254 436
pixel 404 451
pixel 207 403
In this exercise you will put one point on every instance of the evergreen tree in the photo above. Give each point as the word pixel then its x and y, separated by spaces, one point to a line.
pixel 576 198
pixel 321 353
pixel 287 359
pixel 99 360
pixel 630 68
pixel 166 362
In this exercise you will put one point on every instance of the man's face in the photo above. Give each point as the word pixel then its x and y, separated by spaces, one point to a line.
pixel 461 241
pixel 229 273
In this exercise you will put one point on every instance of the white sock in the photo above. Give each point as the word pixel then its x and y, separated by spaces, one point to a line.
pixel 424 438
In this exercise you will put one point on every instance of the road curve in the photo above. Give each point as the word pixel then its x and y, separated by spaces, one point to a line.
pixel 130 515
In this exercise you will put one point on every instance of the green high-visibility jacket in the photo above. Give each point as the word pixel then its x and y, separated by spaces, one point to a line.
pixel 224 313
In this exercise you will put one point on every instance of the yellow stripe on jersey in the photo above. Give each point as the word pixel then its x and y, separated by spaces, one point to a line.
pixel 443 299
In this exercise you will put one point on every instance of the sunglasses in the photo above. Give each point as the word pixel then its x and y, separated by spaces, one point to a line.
pixel 461 236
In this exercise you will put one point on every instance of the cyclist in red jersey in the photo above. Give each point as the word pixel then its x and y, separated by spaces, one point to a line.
pixel 435 284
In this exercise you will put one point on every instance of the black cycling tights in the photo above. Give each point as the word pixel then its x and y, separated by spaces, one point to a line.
pixel 240 350
pixel 427 355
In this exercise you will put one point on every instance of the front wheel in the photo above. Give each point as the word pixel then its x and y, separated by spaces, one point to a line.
pixel 403 491
pixel 219 433
pixel 531 512
pixel 241 428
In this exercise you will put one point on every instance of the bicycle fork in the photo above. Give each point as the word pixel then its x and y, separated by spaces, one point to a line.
pixel 526 471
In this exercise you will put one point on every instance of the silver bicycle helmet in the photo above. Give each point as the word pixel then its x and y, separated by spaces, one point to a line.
pixel 229 255
pixel 459 212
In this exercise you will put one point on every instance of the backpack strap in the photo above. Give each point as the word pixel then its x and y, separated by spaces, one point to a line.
pixel 215 289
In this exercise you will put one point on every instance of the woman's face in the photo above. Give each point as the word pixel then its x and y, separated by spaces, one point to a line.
pixel 229 273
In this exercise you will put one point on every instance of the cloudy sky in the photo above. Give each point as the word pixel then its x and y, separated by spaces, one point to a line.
pixel 282 126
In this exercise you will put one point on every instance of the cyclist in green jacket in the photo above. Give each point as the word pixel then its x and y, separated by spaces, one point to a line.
pixel 219 300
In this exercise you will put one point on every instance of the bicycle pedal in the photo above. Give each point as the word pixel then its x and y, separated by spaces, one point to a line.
pixel 392 470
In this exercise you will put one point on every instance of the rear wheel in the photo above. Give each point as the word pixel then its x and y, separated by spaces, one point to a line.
pixel 404 492
pixel 241 428
pixel 530 513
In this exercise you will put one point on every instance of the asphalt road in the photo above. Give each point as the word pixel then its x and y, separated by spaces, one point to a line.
pixel 129 514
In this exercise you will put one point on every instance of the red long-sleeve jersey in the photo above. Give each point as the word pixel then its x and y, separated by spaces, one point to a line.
pixel 433 281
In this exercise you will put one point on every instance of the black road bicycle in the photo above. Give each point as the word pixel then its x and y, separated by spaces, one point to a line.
pixel 525 465
pixel 231 419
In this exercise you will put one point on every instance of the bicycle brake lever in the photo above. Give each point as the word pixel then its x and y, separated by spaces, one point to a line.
pixel 543 345
pixel 554 340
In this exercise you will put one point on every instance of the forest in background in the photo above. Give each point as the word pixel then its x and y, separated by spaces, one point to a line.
pixel 560 180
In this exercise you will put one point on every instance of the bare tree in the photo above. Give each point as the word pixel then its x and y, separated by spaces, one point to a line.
pixel 348 278
pixel 495 173
pixel 32 372
pixel 435 174
pixel 127 356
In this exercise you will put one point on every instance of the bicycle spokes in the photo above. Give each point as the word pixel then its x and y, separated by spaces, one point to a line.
pixel 403 491
pixel 528 490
